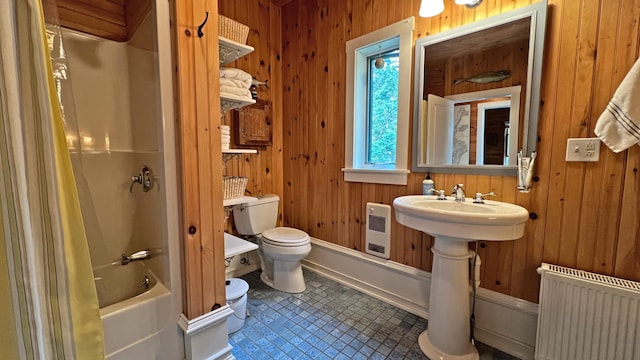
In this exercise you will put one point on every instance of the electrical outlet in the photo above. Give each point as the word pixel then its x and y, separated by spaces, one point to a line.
pixel 583 149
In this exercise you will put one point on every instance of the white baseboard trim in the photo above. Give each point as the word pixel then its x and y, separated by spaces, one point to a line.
pixel 503 322
pixel 206 336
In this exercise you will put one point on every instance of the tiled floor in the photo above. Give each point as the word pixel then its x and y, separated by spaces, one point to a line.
pixel 328 321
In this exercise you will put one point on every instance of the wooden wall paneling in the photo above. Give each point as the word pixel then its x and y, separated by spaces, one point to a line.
pixel 315 184
pixel 558 206
pixel 289 71
pixel 105 19
pixel 136 11
pixel 303 116
pixel 340 27
pixel 276 88
pixel 628 247
pixel 583 114
pixel 535 230
pixel 186 119
pixel 575 28
pixel 209 122
pixel 202 240
pixel 269 177
pixel 249 14
pixel 327 217
pixel 627 253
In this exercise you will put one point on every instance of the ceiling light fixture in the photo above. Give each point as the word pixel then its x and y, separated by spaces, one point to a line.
pixel 429 8
pixel 469 3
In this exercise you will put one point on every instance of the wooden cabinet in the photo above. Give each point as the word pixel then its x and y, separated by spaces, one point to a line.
pixel 252 125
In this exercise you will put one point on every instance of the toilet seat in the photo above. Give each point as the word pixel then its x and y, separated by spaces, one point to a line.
pixel 285 237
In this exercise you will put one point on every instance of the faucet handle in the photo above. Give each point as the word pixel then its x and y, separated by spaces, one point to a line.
pixel 441 194
pixel 479 197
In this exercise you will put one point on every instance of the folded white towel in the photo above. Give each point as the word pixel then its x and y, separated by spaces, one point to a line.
pixel 225 127
pixel 232 73
pixel 235 91
pixel 235 83
pixel 619 125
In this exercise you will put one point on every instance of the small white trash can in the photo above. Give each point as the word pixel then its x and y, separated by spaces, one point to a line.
pixel 237 300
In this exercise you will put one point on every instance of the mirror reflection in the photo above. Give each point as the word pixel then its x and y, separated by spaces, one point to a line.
pixel 476 87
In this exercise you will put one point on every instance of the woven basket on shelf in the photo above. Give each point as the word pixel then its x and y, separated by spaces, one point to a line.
pixel 232 29
pixel 234 186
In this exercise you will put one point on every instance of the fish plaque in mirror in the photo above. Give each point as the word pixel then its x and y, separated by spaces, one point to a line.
pixel 477 94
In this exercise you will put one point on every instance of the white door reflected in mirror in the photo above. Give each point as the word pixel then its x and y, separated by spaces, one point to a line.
pixel 473 128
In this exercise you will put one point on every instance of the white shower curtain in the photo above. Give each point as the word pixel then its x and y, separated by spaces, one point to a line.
pixel 48 303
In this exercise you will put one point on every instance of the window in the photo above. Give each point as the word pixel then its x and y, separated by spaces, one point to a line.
pixel 382 115
pixel 377 115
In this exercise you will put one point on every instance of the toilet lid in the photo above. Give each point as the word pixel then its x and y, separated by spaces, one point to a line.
pixel 285 236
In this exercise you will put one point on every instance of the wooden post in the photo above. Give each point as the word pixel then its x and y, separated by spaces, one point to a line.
pixel 198 124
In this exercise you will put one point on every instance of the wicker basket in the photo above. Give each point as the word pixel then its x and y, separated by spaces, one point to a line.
pixel 232 29
pixel 234 186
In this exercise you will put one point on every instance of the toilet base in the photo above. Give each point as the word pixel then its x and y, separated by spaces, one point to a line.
pixel 287 277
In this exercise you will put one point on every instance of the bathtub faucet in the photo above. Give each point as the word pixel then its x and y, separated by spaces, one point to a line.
pixel 136 256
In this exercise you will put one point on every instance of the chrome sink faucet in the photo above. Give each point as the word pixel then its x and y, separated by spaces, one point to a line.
pixel 458 192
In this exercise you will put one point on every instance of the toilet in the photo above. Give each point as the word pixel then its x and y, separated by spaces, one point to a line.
pixel 280 248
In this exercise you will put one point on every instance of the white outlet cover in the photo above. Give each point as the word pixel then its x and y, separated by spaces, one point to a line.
pixel 583 149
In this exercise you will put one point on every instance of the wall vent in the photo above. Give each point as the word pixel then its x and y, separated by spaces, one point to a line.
pixel 378 235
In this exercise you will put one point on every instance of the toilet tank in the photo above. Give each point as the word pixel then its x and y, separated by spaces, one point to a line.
pixel 254 217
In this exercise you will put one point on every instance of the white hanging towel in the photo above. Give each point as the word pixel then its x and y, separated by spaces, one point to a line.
pixel 619 125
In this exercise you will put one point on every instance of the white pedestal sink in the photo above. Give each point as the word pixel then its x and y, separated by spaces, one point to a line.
pixel 454 224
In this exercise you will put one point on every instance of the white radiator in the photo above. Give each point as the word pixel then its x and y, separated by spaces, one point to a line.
pixel 584 316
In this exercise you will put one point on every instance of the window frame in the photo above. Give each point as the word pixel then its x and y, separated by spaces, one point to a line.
pixel 356 169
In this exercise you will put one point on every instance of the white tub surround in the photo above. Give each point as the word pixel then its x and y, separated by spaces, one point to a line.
pixel 206 337
pixel 146 330
pixel 502 321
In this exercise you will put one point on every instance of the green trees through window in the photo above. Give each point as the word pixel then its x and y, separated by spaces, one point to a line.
pixel 382 114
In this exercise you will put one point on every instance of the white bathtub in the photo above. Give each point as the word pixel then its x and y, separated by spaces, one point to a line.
pixel 137 327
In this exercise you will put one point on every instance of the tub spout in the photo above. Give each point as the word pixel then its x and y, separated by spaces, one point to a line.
pixel 136 256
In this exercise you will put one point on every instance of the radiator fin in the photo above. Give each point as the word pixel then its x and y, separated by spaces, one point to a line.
pixel 587 316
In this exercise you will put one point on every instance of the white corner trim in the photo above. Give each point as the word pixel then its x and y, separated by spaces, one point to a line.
pixel 206 336
pixel 504 322
pixel 202 322
pixel 376 176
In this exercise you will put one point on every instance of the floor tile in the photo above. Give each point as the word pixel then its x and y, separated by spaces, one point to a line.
pixel 328 321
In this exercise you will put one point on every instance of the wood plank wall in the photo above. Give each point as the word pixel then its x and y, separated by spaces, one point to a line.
pixel 197 86
pixel 587 215
pixel 264 170
pixel 110 19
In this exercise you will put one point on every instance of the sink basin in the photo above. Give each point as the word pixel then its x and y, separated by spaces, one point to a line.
pixel 463 221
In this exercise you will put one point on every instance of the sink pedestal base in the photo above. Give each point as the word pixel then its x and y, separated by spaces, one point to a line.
pixel 449 307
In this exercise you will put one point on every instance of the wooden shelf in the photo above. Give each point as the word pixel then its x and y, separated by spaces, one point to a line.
pixel 231 51
pixel 234 245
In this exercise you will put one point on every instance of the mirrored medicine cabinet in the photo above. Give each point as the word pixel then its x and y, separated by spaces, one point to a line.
pixel 477 94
